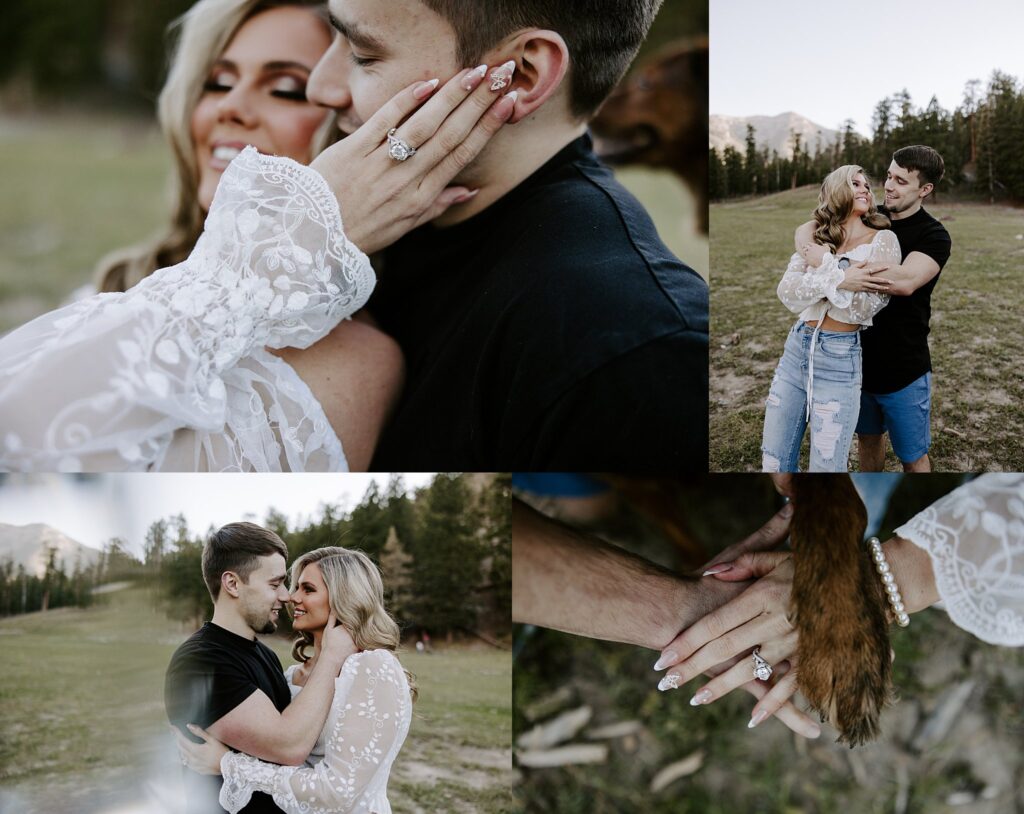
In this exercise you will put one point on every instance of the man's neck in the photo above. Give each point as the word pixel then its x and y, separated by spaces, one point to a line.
pixel 510 158
pixel 906 213
pixel 226 617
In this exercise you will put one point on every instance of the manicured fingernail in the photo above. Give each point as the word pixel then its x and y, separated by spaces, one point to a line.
pixel 721 568
pixel 468 195
pixel 787 509
pixel 504 107
pixel 424 89
pixel 472 79
pixel 814 731
pixel 501 77
pixel 758 716
pixel 670 682
pixel 702 697
pixel 667 658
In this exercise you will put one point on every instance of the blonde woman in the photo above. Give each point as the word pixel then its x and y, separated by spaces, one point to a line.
pixel 212 364
pixel 817 381
pixel 370 714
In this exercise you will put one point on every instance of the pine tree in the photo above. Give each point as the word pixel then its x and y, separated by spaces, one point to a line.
pixel 447 562
pixel 396 570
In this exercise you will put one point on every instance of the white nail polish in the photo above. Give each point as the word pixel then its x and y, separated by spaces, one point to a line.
pixel 513 95
pixel 669 682
pixel 759 716
pixel 702 697
pixel 666 658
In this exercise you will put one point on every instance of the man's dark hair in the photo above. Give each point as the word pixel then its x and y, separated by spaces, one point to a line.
pixel 928 163
pixel 603 36
pixel 238 547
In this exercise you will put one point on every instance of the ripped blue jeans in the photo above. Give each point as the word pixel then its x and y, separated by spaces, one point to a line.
pixel 835 394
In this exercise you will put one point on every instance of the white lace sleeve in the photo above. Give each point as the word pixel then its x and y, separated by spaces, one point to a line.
pixel 366 726
pixel 802 285
pixel 975 536
pixel 103 384
pixel 863 305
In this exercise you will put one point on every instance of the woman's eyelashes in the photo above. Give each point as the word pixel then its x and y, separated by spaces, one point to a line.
pixel 289 88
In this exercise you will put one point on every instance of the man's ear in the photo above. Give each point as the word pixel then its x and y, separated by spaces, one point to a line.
pixel 926 190
pixel 229 581
pixel 542 61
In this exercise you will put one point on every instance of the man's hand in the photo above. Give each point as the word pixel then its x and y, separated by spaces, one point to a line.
pixel 862 276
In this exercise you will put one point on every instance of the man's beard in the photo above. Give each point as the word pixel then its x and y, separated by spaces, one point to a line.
pixel 259 620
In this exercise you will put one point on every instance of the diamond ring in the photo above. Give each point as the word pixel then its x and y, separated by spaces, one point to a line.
pixel 398 149
pixel 762 669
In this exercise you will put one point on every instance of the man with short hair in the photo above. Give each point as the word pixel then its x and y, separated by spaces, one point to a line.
pixel 896 391
pixel 544 324
pixel 225 681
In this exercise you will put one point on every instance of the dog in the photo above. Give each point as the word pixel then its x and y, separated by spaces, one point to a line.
pixel 658 117
pixel 838 607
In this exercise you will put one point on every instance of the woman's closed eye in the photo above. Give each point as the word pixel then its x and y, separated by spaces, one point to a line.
pixel 289 87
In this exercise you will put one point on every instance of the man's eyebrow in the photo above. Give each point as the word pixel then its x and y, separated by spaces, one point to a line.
pixel 359 38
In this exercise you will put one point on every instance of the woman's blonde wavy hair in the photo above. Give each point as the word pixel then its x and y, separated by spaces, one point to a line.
pixel 356 594
pixel 201 36
pixel 835 203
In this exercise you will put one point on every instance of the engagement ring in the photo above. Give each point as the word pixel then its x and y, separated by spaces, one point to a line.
pixel 762 669
pixel 398 149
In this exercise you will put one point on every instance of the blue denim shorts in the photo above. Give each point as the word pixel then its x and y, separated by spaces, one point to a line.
pixel 905 415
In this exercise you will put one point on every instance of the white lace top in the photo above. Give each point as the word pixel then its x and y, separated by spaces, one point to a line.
pixel 174 373
pixel 975 536
pixel 812 292
pixel 366 727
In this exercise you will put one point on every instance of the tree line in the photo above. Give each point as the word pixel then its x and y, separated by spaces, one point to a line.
pixel 979 142
pixel 444 551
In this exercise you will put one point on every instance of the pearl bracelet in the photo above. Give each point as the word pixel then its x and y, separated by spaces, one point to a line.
pixel 889 583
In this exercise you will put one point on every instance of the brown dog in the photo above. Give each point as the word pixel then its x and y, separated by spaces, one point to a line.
pixel 838 608
pixel 658 116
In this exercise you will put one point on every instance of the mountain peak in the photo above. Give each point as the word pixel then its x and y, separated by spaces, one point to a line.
pixel 774 132
pixel 27 545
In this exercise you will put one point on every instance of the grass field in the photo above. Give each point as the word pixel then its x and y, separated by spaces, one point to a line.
pixel 976 338
pixel 76 189
pixel 82 725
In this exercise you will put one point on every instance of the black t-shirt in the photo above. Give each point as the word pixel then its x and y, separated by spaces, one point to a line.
pixel 896 345
pixel 553 331
pixel 210 674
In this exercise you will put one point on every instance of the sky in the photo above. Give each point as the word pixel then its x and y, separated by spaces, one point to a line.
pixel 92 510
pixel 830 62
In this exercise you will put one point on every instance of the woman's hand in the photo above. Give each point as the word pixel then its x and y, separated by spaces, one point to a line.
pixel 337 643
pixel 813 253
pixel 756 618
pixel 863 276
pixel 770 536
pixel 381 198
pixel 204 757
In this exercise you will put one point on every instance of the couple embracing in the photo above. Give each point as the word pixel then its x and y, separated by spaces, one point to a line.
pixel 320 736
pixel 524 313
pixel 857 359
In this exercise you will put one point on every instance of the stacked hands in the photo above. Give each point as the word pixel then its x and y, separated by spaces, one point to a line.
pixel 723 643
pixel 749 642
